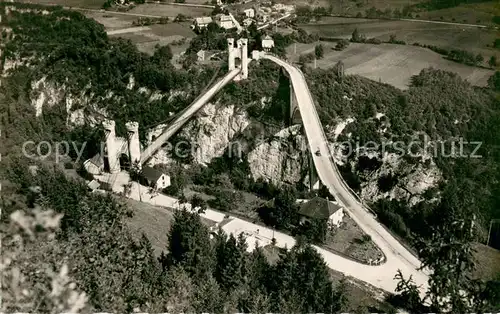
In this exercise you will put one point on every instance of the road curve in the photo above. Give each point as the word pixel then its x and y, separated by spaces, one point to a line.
pixel 398 257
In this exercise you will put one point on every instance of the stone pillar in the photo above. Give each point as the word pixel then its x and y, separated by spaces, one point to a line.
pixel 243 45
pixel 230 53
pixel 111 146
pixel 314 182
pixel 134 147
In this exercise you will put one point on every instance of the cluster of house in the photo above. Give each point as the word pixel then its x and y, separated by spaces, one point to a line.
pixel 149 176
pixel 261 14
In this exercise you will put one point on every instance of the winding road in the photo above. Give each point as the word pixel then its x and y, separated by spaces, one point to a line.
pixel 397 256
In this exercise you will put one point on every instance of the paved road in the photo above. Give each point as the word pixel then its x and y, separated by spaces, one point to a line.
pixel 186 115
pixel 398 257
pixel 380 276
pixel 446 23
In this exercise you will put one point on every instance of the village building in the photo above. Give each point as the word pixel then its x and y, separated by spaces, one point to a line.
pixel 154 178
pixel 202 22
pixel 267 43
pixel 247 22
pixel 249 13
pixel 320 208
pixel 225 21
pixel 201 55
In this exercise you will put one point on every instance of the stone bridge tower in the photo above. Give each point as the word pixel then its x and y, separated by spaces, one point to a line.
pixel 240 52
pixel 111 146
pixel 134 147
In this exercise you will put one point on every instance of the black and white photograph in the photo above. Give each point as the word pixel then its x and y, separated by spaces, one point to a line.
pixel 250 156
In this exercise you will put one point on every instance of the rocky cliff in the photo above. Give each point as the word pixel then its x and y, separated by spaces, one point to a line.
pixel 277 155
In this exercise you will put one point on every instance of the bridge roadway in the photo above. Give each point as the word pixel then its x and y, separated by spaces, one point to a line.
pixel 397 256
pixel 185 115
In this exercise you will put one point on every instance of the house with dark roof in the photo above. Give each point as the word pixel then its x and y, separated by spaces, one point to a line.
pixel 320 208
pixel 154 178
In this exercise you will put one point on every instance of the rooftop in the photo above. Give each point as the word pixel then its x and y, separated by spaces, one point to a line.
pixel 203 20
pixel 151 174
pixel 318 207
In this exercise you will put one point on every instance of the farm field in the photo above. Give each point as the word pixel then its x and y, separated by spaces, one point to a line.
pixel 473 13
pixel 353 7
pixel 170 10
pixel 111 21
pixel 91 4
pixel 144 37
pixel 472 39
pixel 391 64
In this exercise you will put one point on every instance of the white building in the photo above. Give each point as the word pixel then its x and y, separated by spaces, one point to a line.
pixel 154 178
pixel 320 208
pixel 201 55
pixel 247 22
pixel 202 22
pixel 249 13
pixel 225 21
pixel 267 43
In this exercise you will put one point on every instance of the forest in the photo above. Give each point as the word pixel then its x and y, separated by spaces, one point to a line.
pixel 118 273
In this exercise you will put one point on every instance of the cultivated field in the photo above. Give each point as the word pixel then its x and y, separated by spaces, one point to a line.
pixel 111 21
pixel 144 37
pixel 169 10
pixel 474 13
pixel 391 64
pixel 446 36
pixel 91 4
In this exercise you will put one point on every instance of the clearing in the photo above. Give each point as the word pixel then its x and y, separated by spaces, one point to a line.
pixel 152 221
pixel 390 63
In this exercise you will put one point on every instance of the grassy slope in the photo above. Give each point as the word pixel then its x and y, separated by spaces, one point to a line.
pixel 487 262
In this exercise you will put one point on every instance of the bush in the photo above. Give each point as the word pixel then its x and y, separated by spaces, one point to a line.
pixel 374 41
pixel 319 51
pixel 341 44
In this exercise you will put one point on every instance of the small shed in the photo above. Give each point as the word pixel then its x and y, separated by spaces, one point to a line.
pixel 93 185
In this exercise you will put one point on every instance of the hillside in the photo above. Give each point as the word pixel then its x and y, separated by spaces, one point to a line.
pixel 61 74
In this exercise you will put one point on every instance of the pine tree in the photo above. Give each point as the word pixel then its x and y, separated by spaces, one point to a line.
pixel 303 274
pixel 189 244
pixel 208 297
pixel 228 262
pixel 180 291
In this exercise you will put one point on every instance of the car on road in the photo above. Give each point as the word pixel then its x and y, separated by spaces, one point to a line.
pixel 318 153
